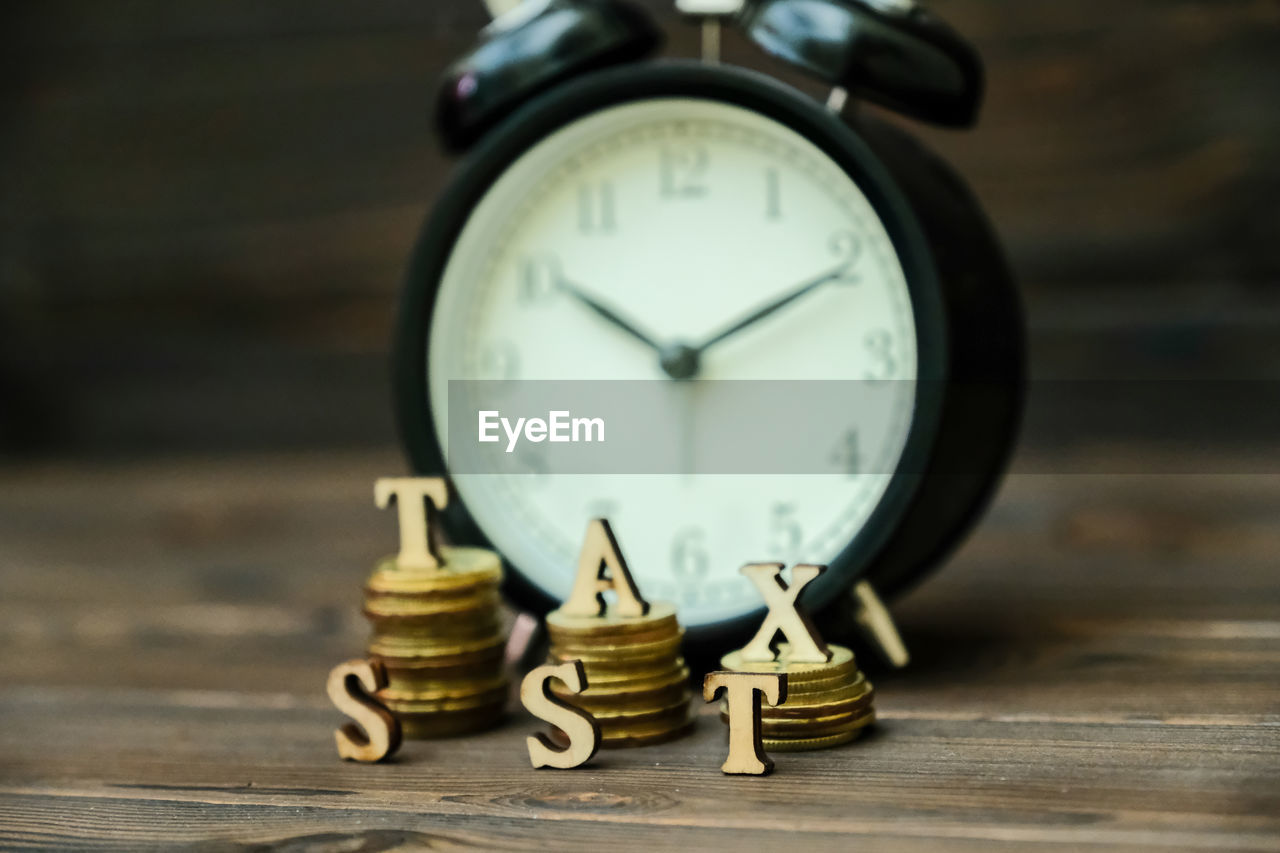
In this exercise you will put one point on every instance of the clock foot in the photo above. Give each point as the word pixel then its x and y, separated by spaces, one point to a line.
pixel 527 643
pixel 876 626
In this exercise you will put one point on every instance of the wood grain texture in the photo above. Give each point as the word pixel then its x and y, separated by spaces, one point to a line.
pixel 1098 669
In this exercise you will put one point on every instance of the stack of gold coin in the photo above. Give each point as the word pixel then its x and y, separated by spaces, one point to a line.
pixel 439 634
pixel 827 703
pixel 637 682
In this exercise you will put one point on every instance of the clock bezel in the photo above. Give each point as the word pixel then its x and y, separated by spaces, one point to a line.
pixel 565 104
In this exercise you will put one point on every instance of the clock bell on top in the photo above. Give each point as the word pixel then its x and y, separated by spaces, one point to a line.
pixel 894 53
pixel 530 48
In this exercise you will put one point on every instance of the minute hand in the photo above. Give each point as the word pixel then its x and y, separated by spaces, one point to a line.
pixel 782 301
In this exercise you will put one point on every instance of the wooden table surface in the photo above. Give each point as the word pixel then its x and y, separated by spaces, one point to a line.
pixel 1099 667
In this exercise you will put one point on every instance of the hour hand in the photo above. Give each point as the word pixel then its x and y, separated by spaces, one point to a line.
pixel 608 314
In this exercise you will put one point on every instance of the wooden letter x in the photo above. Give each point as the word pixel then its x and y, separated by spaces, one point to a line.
pixel 743 691
pixel 600 554
pixel 418 546
pixel 784 615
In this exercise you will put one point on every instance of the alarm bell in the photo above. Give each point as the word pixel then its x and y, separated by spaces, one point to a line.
pixel 891 52
pixel 530 48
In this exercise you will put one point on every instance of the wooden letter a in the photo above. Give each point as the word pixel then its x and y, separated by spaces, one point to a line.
pixel 600 568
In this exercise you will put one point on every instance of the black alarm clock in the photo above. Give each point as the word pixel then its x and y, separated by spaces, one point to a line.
pixel 618 217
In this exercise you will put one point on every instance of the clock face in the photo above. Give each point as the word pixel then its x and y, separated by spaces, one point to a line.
pixel 680 217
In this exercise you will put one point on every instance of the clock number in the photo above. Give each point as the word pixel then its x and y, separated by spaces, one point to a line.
pixel 848 247
pixel 786 533
pixel 596 210
pixel 538 278
pixel 499 360
pixel 689 559
pixel 848 453
pixel 880 344
pixel 682 169
pixel 772 195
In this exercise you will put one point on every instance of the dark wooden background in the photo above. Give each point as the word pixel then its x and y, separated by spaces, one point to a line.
pixel 207 204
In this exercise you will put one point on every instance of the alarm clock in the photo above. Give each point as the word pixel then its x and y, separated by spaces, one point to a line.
pixel 620 217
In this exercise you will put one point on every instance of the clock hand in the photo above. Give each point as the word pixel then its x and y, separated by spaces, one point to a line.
pixel 764 311
pixel 609 314
pixel 679 361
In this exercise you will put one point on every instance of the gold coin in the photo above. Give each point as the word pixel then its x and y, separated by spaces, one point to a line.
pixel 621 657
pixel 443 706
pixel 855 689
pixel 803 712
pixel 417 582
pixel 665 632
pixel 473 623
pixel 818 717
pixel 442 668
pixel 638 737
pixel 634 644
pixel 630 699
pixel 820 685
pixel 450 723
pixel 437 619
pixel 398 613
pixel 645 726
pixel 817 728
pixel 622 689
pixel 462 567
pixel 601 676
pixel 639 714
pixel 399 647
pixel 432 645
pixel 604 633
pixel 429 687
pixel 434 701
pixel 433 660
pixel 842 661
pixel 440 607
pixel 646 737
pixel 661 616
pixel 650 699
pixel 806 744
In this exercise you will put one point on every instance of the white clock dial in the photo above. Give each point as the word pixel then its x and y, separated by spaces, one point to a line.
pixel 679 215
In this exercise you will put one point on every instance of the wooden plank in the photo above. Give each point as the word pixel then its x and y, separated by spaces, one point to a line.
pixel 1076 683
pixel 189 766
